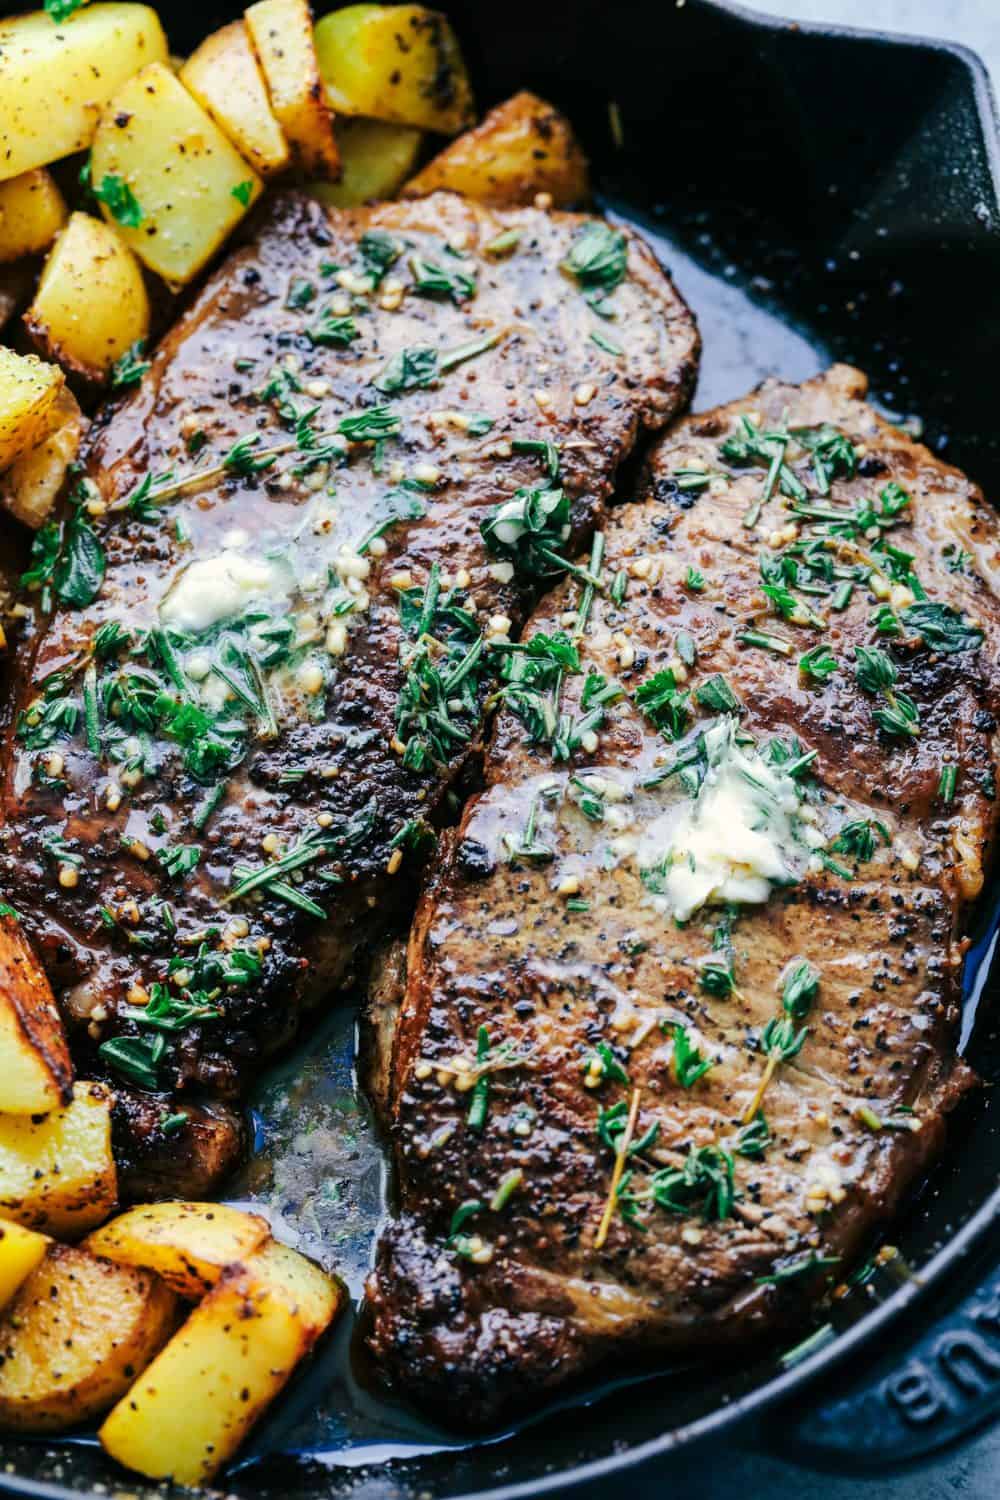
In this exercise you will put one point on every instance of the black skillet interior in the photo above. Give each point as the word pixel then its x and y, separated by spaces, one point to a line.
pixel 818 195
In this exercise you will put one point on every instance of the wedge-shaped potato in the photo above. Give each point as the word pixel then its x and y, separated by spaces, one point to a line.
pixel 75 1336
pixel 189 1245
pixel 91 302
pixel 395 62
pixel 57 1172
pixel 20 1252
pixel 28 389
pixel 281 32
pixel 29 488
pixel 198 1400
pixel 225 78
pixel 32 212
pixel 191 184
pixel 55 80
pixel 36 1074
pixel 376 159
pixel 522 148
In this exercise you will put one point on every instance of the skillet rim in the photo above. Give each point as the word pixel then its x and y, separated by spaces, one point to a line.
pixel 963 1244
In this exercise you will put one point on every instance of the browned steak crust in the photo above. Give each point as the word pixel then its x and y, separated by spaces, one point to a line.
pixel 112 781
pixel 546 945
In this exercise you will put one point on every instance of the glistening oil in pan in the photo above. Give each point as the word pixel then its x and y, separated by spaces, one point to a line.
pixel 320 1172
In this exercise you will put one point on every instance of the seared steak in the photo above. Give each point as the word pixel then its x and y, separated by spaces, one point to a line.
pixel 266 667
pixel 678 1023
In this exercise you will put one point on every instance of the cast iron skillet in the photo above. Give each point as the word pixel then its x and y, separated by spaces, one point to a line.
pixel 819 194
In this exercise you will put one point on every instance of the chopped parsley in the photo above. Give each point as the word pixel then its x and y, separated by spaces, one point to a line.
pixel 120 201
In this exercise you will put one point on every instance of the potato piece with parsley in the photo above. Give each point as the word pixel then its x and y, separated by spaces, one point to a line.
pixel 56 79
pixel 170 182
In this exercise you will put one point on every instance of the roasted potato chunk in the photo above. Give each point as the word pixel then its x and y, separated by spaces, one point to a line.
pixel 29 488
pixel 190 186
pixel 523 147
pixel 199 1398
pixel 20 1252
pixel 395 62
pixel 224 76
pixel 55 80
pixel 75 1336
pixel 28 390
pixel 57 1172
pixel 281 32
pixel 91 302
pixel 32 212
pixel 188 1245
pixel 37 1074
pixel 376 159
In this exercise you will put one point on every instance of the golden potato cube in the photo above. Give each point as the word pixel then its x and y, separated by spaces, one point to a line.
pixel 523 147
pixel 32 212
pixel 395 62
pixel 29 488
pixel 75 1336
pixel 57 1172
pixel 225 78
pixel 28 389
pixel 36 1073
pixel 191 184
pixel 189 1412
pixel 376 159
pixel 281 32
pixel 20 1252
pixel 55 80
pixel 188 1245
pixel 91 302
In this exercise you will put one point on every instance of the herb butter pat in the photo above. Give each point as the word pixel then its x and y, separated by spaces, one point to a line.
pixel 217 588
pixel 742 835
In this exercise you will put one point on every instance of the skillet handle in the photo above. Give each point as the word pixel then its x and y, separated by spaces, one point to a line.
pixel 909 1402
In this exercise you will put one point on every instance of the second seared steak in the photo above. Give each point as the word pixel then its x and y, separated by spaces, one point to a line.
pixel 678 1021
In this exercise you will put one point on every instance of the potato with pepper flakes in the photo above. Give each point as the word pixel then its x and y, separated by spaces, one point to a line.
pixel 20 1252
pixel 91 303
pixel 55 80
pixel 189 1245
pixel 76 1335
pixel 32 212
pixel 172 184
pixel 194 1405
pixel 522 148
pixel 28 391
pixel 281 32
pixel 57 1172
pixel 36 1073
pixel 400 63
pixel 30 487
pixel 224 76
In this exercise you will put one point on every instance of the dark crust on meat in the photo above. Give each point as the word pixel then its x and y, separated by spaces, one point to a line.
pixel 200 383
pixel 495 945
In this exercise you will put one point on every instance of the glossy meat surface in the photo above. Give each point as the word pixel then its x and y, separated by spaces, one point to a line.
pixel 622 1123
pixel 211 801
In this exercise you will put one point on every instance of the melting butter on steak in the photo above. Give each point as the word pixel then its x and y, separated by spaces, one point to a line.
pixel 267 663
pixel 679 1021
